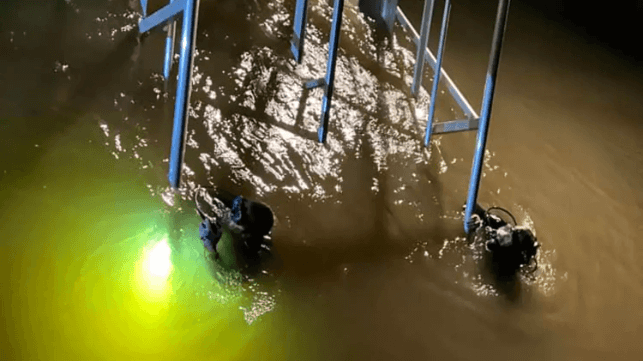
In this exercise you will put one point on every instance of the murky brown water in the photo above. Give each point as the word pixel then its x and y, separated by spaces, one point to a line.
pixel 372 263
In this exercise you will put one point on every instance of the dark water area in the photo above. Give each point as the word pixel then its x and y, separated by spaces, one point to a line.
pixel 608 25
pixel 103 260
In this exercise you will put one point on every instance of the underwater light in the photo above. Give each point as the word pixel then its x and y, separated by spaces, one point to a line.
pixel 158 260
pixel 154 270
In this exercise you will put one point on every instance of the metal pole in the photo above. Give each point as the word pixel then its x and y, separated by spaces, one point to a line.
pixel 438 70
pixel 427 16
pixel 169 50
pixel 487 101
pixel 144 7
pixel 299 35
pixel 188 37
pixel 330 70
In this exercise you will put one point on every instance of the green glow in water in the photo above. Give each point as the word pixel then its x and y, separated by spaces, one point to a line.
pixel 96 269
pixel 154 269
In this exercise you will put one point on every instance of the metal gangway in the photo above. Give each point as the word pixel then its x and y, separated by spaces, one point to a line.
pixel 188 11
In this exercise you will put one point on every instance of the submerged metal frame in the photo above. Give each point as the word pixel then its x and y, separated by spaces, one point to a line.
pixel 428 57
pixel 487 102
pixel 427 16
pixel 438 66
pixel 471 122
pixel 167 16
pixel 299 30
pixel 328 80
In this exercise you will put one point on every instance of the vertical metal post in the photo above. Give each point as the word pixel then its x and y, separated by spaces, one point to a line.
pixel 169 49
pixel 427 16
pixel 438 70
pixel 299 35
pixel 188 37
pixel 389 10
pixel 487 101
pixel 330 70
pixel 144 7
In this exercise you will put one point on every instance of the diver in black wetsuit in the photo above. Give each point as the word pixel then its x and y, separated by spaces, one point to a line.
pixel 511 246
pixel 238 236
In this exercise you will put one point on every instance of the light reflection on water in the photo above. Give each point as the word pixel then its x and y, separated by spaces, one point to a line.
pixel 258 134
pixel 368 224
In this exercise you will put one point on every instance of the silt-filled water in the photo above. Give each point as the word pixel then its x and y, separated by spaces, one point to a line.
pixel 102 261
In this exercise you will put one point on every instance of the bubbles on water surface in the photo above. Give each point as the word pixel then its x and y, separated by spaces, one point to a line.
pixel 255 297
pixel 60 67
pixel 262 303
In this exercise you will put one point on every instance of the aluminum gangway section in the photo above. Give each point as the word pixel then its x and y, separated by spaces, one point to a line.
pixel 471 122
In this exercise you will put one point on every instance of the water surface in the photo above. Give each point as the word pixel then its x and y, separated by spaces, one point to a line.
pixel 104 262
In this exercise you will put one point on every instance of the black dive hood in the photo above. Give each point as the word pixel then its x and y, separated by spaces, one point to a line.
pixel 236 231
pixel 511 246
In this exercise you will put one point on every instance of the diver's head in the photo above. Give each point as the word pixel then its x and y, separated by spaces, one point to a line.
pixel 511 247
pixel 237 234
pixel 254 217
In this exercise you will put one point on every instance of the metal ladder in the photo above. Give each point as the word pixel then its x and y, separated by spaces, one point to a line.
pixel 471 122
pixel 188 10
pixel 167 17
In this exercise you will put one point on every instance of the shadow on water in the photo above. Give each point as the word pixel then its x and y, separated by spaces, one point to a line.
pixel 42 92
pixel 95 76
pixel 361 223
pixel 508 284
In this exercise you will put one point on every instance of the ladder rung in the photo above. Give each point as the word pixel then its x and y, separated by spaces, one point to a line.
pixel 162 16
pixel 315 83
pixel 453 126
